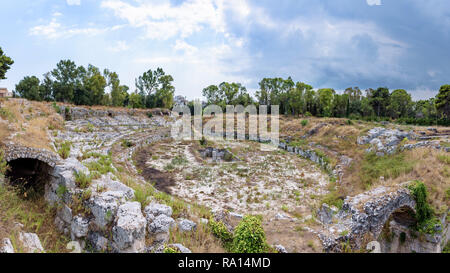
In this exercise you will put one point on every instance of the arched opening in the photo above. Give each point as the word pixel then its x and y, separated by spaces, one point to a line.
pixel 29 176
pixel 397 232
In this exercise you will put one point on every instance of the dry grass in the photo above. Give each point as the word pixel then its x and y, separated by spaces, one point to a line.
pixel 29 122
pixel 34 215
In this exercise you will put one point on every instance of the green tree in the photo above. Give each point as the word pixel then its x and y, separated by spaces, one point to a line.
pixel 156 88
pixel 29 88
pixel 379 99
pixel 118 92
pixel 400 104
pixel 443 101
pixel 135 100
pixel 326 96
pixel 66 80
pixel 5 64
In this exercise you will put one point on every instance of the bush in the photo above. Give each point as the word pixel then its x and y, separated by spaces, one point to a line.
pixel 249 236
pixel 426 220
pixel 3 164
pixel 220 231
pixel 126 143
pixel 64 149
pixel 304 122
pixel 82 180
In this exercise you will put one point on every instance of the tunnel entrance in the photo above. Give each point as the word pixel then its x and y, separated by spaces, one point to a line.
pixel 29 176
pixel 396 232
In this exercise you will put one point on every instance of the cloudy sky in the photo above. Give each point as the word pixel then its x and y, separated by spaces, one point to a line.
pixel 327 43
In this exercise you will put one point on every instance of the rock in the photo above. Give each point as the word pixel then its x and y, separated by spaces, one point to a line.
pixel 31 242
pixel 65 214
pixel 325 214
pixel 374 247
pixel 112 185
pixel 185 225
pixel 74 246
pixel 236 215
pixel 281 216
pixel 180 248
pixel 160 224
pixel 280 249
pixel 6 246
pixel 97 242
pixel 156 209
pixel 104 207
pixel 204 221
pixel 79 227
pixel 129 231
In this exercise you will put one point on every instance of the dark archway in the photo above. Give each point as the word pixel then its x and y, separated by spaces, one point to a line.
pixel 29 176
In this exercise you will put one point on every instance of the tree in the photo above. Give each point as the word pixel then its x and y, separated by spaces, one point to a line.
pixel 326 96
pixel 156 88
pixel 66 79
pixel 227 94
pixel 118 92
pixel 400 104
pixel 29 88
pixel 135 100
pixel 379 99
pixel 443 101
pixel 5 64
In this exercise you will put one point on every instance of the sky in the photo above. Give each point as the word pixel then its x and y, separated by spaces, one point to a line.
pixel 327 43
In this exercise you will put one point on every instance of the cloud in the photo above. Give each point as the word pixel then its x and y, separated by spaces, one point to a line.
pixel 374 2
pixel 162 20
pixel 119 46
pixel 73 2
pixel 55 30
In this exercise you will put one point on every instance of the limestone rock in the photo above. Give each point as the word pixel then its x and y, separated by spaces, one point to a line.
pixel 79 227
pixel 156 209
pixel 185 225
pixel 31 242
pixel 129 231
pixel 6 246
pixel 180 248
pixel 280 249
pixel 104 207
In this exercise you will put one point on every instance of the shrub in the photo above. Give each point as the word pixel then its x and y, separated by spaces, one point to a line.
pixel 426 220
pixel 304 122
pixel 249 236
pixel 126 143
pixel 149 114
pixel 82 180
pixel 220 231
pixel 64 149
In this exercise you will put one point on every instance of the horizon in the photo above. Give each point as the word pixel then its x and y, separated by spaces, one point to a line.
pixel 364 43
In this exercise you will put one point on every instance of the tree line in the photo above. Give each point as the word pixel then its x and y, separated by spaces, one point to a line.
pixel 298 98
pixel 89 85
pixel 79 85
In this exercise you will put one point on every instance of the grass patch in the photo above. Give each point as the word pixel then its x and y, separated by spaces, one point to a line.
pixel 82 180
pixel 390 167
pixel 64 149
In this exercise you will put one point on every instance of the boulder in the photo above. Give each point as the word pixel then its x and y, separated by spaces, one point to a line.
pixel 6 246
pixel 104 207
pixel 180 248
pixel 79 227
pixel 325 214
pixel 280 249
pixel 160 226
pixel 185 225
pixel 129 231
pixel 156 209
pixel 97 242
pixel 31 242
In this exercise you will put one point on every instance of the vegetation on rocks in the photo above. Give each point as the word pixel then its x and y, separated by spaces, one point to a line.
pixel 425 215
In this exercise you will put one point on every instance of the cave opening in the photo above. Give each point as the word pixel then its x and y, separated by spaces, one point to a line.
pixel 28 176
